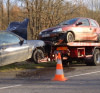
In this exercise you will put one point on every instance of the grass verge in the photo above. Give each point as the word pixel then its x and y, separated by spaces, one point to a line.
pixel 26 65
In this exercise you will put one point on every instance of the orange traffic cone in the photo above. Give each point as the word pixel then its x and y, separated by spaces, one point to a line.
pixel 59 70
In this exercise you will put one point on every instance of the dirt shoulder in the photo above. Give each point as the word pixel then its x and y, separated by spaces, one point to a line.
pixel 30 70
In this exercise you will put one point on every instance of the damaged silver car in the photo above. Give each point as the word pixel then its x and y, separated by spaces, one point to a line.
pixel 14 46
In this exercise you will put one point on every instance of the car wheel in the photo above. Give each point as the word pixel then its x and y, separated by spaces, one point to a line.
pixel 38 54
pixel 70 37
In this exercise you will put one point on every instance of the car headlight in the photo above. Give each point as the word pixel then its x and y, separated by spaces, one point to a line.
pixel 57 30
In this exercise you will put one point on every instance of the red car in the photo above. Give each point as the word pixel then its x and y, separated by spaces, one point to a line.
pixel 76 29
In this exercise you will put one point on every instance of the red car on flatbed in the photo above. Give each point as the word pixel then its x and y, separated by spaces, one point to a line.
pixel 76 29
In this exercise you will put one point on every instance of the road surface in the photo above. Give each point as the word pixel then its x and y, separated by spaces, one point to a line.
pixel 81 79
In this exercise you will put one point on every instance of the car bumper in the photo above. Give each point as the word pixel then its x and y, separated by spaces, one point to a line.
pixel 52 37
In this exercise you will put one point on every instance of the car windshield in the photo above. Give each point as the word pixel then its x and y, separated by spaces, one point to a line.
pixel 69 22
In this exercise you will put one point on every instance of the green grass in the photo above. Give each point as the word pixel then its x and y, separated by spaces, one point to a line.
pixel 26 65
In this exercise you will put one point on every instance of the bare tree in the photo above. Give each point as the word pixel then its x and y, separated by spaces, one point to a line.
pixel 8 10
pixel 46 13
pixel 2 13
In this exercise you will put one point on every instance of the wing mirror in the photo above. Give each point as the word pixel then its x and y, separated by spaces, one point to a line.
pixel 21 41
pixel 79 23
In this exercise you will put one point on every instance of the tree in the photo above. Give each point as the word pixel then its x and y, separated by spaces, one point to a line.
pixel 8 10
pixel 46 13
pixel 2 13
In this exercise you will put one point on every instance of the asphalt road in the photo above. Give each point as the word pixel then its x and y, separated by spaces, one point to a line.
pixel 81 79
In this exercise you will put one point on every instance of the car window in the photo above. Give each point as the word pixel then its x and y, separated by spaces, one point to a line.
pixel 69 22
pixel 8 38
pixel 93 23
pixel 85 22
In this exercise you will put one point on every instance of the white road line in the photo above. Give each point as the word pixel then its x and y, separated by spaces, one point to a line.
pixel 84 74
pixel 10 87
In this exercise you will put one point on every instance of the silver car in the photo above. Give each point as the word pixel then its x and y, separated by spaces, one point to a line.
pixel 15 48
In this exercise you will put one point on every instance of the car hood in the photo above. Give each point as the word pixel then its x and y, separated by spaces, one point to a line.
pixel 19 28
pixel 53 28
pixel 36 43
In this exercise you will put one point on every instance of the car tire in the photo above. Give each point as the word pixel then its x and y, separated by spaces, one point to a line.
pixel 38 54
pixel 70 37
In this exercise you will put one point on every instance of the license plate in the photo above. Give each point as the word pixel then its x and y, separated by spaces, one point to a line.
pixel 46 35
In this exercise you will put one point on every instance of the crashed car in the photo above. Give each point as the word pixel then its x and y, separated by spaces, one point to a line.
pixel 14 46
pixel 76 29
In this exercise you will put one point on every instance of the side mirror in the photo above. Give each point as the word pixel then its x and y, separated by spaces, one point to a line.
pixel 21 41
pixel 79 23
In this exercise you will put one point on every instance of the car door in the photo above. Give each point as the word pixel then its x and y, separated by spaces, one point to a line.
pixel 94 30
pixel 83 29
pixel 11 48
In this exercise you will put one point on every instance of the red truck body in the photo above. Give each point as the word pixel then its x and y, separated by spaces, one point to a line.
pixel 75 51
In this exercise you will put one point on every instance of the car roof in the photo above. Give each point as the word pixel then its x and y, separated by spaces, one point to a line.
pixel 84 17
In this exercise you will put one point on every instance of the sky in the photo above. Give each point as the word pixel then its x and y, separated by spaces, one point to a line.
pixel 89 3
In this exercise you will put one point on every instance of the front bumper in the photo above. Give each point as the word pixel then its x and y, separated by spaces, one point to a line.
pixel 52 37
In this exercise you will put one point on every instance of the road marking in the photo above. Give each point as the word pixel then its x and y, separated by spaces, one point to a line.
pixel 10 86
pixel 85 74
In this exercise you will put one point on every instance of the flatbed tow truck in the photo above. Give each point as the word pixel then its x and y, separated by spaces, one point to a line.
pixel 89 52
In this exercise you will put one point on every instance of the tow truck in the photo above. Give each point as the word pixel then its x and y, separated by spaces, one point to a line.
pixel 77 39
pixel 89 52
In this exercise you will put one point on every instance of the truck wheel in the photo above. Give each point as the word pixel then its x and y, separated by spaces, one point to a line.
pixel 96 57
pixel 38 54
pixel 70 37
pixel 95 60
pixel 98 39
